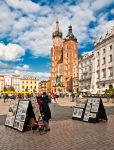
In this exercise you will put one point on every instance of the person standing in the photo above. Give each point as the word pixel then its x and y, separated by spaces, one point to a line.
pixel 5 96
pixel 73 96
pixel 80 97
pixel 46 110
pixel 53 98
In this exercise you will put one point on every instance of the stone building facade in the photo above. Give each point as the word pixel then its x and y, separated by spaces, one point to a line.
pixel 29 83
pixel 103 62
pixel 85 72
pixel 1 82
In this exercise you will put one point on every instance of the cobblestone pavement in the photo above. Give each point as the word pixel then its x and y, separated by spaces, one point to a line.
pixel 64 135
pixel 61 111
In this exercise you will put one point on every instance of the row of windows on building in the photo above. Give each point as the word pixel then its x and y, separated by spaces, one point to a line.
pixel 32 82
pixel 104 50
pixel 104 60
pixel 110 73
pixel 28 87
pixel 88 62
pixel 86 69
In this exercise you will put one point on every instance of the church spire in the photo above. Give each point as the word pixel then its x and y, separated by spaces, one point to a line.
pixel 57 32
pixel 57 25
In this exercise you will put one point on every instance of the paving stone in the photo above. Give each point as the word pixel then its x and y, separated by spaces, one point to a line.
pixel 64 135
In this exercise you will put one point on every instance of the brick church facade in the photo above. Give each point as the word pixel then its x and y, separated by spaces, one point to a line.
pixel 64 61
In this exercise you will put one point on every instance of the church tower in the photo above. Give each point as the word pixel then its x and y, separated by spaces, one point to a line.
pixel 70 61
pixel 64 61
pixel 56 56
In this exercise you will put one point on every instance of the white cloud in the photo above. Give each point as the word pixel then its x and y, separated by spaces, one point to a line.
pixel 112 11
pixel 99 4
pixel 39 75
pixel 102 28
pixel 26 6
pixel 17 72
pixel 5 66
pixel 24 67
pixel 11 52
pixel 33 30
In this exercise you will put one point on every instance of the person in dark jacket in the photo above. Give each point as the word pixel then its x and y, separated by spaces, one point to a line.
pixel 46 110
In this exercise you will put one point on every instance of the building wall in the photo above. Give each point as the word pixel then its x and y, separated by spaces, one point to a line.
pixel 42 86
pixel 55 57
pixel 70 57
pixel 16 83
pixel 104 61
pixel 7 81
pixel 48 86
pixel 30 83
pixel 1 83
pixel 85 72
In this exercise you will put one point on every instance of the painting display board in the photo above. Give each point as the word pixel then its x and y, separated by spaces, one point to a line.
pixel 21 115
pixel 78 111
pixel 93 111
pixel 11 113
pixel 35 107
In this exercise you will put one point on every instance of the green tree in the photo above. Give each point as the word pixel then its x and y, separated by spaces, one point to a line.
pixel 5 89
pixel 12 88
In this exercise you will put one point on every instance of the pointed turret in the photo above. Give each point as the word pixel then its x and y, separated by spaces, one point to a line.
pixel 70 35
pixel 57 32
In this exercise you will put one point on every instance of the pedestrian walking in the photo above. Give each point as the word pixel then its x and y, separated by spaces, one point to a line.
pixel 53 98
pixel 5 96
pixel 46 110
pixel 73 96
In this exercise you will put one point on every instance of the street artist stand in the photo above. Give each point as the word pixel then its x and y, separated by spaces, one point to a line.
pixel 22 114
pixel 90 111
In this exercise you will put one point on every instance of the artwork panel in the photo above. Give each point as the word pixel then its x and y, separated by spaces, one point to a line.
pixel 11 113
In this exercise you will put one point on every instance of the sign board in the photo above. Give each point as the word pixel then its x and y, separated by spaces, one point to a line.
pixel 93 111
pixel 35 107
pixel 78 111
pixel 20 112
pixel 11 113
pixel 21 115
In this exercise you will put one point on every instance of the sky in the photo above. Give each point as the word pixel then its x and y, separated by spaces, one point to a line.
pixel 26 28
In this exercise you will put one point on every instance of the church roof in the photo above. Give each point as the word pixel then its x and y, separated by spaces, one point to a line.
pixel 70 35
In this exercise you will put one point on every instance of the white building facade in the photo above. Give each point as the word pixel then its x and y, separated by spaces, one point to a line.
pixel 103 63
pixel 7 81
pixel 85 72
pixel 16 82
pixel 1 82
